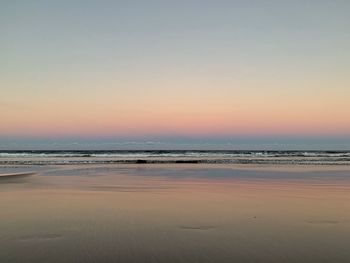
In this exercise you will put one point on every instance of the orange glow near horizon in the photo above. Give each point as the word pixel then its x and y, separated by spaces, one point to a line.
pixel 220 119
pixel 123 69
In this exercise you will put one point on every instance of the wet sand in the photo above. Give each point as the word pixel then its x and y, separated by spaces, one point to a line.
pixel 174 213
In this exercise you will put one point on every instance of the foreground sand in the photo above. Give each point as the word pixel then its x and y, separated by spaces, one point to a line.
pixel 175 213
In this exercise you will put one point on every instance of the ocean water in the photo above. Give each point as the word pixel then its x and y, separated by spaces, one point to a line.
pixel 234 157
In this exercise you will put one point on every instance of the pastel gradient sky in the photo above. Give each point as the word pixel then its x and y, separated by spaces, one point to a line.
pixel 115 70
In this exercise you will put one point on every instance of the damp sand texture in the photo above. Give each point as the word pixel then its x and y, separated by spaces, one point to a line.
pixel 174 213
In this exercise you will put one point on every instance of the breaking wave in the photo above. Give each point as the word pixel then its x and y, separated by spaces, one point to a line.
pixel 175 156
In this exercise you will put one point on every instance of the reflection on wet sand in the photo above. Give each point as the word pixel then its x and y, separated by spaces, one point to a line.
pixel 15 175
pixel 176 213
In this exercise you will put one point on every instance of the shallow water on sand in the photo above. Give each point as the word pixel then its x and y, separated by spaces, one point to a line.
pixel 174 213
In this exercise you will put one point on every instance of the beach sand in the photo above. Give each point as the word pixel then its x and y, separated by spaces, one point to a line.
pixel 174 213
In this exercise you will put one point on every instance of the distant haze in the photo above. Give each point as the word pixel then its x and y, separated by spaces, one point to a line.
pixel 175 144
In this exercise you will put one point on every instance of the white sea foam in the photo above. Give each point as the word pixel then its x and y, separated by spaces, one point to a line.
pixel 245 157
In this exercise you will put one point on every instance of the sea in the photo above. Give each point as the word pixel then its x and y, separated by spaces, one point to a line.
pixel 61 157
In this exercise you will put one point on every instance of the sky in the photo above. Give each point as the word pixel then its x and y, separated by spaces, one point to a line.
pixel 215 74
